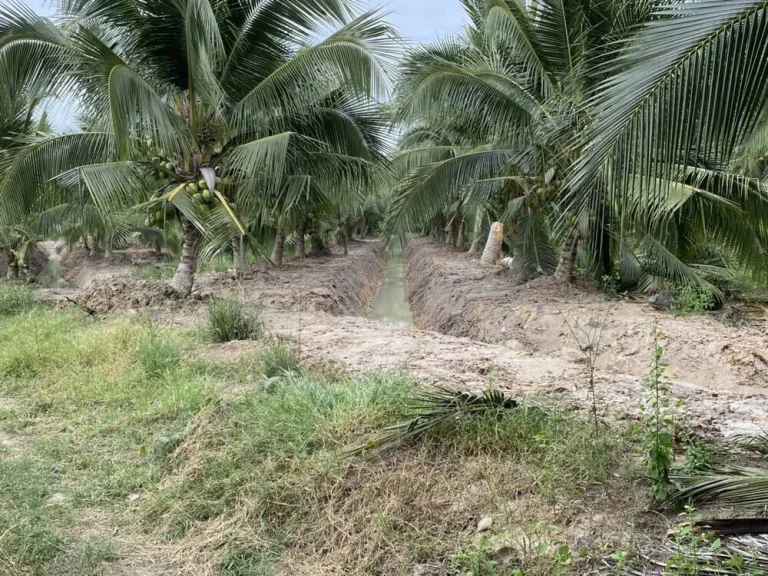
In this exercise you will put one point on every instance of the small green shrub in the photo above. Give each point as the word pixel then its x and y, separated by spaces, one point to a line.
pixel 232 319
pixel 15 299
pixel 656 429
pixel 163 271
pixel 476 560
pixel 280 359
pixel 690 300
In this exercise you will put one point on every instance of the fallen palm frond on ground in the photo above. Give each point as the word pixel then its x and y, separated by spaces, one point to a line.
pixel 740 555
pixel 433 408
pixel 737 486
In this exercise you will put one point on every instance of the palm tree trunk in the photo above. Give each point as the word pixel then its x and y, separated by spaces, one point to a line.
pixel 492 252
pixel 460 235
pixel 565 267
pixel 316 247
pixel 477 233
pixel 449 233
pixel 279 249
pixel 239 256
pixel 301 245
pixel 184 278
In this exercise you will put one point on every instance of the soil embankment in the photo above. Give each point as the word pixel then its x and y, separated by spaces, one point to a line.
pixel 333 284
pixel 453 293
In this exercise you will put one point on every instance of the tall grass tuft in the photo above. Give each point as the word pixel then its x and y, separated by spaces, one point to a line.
pixel 280 359
pixel 158 355
pixel 232 319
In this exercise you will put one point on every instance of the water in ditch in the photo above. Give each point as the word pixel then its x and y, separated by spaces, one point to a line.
pixel 391 304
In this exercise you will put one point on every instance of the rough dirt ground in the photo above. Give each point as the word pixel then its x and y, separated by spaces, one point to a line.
pixel 721 369
pixel 473 323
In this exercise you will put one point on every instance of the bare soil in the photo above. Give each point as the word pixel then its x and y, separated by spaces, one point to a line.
pixel 473 323
pixel 332 283
pixel 721 369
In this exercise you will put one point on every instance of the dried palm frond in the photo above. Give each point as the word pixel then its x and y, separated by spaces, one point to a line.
pixel 739 486
pixel 432 408
pixel 740 555
pixel 754 444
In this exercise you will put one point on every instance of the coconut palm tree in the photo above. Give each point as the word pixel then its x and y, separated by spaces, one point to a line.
pixel 496 115
pixel 677 145
pixel 192 94
pixel 502 115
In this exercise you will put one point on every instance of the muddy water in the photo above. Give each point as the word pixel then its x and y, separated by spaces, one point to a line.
pixel 391 303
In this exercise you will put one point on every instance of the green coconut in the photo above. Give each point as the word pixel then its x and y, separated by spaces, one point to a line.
pixel 203 184
pixel 197 198
pixel 207 196
pixel 192 188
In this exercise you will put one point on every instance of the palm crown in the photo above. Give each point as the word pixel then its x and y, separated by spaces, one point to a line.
pixel 235 96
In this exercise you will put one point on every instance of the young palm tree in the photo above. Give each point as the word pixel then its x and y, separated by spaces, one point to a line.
pixel 193 94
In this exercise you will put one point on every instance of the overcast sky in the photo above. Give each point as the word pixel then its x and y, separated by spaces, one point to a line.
pixel 417 21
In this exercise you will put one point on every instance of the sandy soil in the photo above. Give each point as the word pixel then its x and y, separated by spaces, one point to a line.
pixel 453 293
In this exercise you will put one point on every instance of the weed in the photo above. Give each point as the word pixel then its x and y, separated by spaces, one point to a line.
pixel 15 299
pixel 656 429
pixel 232 319
pixel 162 271
pixel 158 355
pixel 688 542
pixel 589 342
pixel 476 560
pixel 690 300
pixel 279 360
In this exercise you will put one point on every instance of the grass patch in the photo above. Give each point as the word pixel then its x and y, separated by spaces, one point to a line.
pixel 279 360
pixel 262 475
pixel 15 299
pixel 232 319
pixel 163 271
pixel 112 410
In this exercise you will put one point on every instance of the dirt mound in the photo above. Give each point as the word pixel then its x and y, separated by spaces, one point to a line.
pixel 454 294
pixel 79 268
pixel 336 284
pixel 117 294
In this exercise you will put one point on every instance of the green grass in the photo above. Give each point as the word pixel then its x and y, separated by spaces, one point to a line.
pixel 279 360
pixel 163 271
pixel 98 412
pixel 15 298
pixel 232 319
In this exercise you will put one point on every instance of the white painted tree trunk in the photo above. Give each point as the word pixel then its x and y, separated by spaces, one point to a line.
pixel 184 278
pixel 492 252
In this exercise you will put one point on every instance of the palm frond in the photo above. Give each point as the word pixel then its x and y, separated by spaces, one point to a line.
pixel 432 409
pixel 737 486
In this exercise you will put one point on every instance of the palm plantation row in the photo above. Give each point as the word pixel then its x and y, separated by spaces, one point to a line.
pixel 625 136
